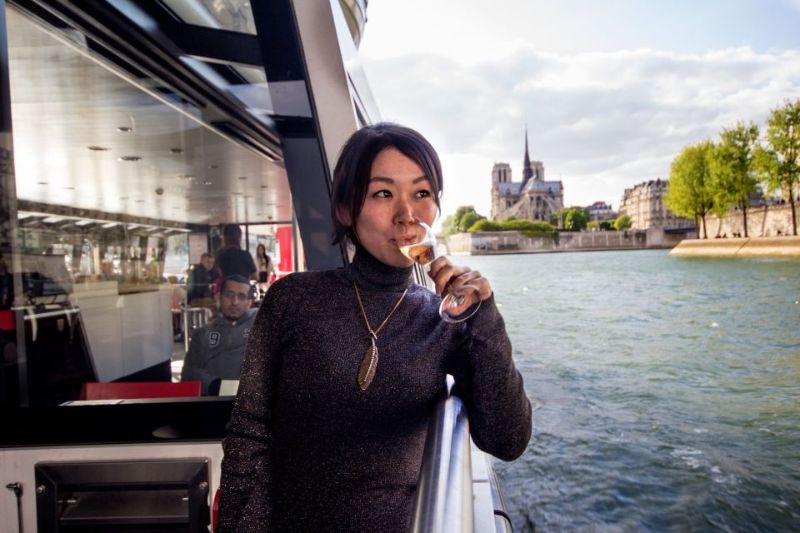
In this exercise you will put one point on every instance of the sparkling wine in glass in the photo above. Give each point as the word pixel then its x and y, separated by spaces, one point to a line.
pixel 458 304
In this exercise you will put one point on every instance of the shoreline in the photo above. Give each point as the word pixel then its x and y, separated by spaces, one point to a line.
pixel 785 246
pixel 556 251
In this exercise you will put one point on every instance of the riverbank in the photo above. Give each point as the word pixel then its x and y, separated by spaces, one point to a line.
pixel 739 247
pixel 514 242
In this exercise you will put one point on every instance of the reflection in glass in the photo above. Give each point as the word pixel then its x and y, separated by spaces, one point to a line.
pixel 112 176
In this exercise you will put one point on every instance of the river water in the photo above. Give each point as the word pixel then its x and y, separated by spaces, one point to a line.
pixel 666 391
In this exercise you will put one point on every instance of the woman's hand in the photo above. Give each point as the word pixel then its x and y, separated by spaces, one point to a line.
pixel 444 273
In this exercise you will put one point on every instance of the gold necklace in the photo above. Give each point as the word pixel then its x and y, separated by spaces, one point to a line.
pixel 366 372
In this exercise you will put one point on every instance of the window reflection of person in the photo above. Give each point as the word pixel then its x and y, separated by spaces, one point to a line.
pixel 265 268
pixel 312 446
pixel 201 277
pixel 217 349
pixel 232 259
pixel 6 285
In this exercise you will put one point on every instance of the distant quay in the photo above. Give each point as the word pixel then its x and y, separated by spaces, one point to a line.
pixel 514 242
pixel 739 247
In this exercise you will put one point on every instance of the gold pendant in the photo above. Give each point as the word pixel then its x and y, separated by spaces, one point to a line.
pixel 366 372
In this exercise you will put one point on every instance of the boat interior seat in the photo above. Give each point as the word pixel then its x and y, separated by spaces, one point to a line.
pixel 136 390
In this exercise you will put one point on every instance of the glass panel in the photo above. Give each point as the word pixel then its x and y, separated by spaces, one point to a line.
pixel 233 15
pixel 248 85
pixel 121 188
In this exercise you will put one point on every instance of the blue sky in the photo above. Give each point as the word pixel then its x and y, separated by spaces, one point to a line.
pixel 611 90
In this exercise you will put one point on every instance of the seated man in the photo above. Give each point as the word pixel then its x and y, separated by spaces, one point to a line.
pixel 217 349
pixel 201 277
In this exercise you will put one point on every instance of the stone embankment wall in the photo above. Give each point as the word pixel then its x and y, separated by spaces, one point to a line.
pixel 764 221
pixel 500 242
pixel 739 247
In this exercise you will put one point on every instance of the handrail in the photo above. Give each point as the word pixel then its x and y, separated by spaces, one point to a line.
pixel 444 492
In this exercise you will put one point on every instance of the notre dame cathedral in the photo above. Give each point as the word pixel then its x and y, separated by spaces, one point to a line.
pixel 532 198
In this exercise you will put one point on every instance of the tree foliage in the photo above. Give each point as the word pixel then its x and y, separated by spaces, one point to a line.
pixel 778 164
pixel 623 222
pixel 570 218
pixel 529 228
pixel 688 190
pixel 464 217
pixel 732 169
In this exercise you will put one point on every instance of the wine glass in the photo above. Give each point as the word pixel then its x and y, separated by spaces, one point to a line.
pixel 459 303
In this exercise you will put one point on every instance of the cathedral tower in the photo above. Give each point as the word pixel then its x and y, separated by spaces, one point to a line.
pixel 527 171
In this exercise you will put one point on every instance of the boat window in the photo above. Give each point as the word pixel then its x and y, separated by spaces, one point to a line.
pixel 233 15
pixel 121 187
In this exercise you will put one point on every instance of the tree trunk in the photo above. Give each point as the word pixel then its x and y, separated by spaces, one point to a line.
pixel 744 218
pixel 697 225
pixel 794 215
pixel 705 232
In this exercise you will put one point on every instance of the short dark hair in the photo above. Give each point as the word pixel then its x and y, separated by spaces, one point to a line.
pixel 352 172
pixel 238 278
pixel 206 254
pixel 232 233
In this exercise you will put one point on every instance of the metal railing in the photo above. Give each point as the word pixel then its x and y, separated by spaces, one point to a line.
pixel 444 492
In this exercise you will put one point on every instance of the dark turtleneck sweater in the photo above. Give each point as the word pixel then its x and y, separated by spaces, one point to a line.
pixel 307 450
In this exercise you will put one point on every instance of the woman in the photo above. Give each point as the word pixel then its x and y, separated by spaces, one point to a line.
pixel 265 268
pixel 310 448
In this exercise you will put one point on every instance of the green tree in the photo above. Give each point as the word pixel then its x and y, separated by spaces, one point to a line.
pixel 593 225
pixel 570 218
pixel 733 173
pixel 464 217
pixel 469 220
pixel 688 191
pixel 485 225
pixel 623 222
pixel 778 164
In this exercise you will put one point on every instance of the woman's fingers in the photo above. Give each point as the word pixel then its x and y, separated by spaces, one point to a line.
pixel 444 273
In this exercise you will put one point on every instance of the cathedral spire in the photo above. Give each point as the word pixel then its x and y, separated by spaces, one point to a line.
pixel 527 171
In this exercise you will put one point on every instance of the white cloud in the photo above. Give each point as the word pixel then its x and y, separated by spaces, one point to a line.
pixel 599 121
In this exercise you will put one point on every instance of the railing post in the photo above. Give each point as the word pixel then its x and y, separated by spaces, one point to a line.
pixel 444 491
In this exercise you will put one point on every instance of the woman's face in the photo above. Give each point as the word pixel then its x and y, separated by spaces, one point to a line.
pixel 261 250
pixel 399 196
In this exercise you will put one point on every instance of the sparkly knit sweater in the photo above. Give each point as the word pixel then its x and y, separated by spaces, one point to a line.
pixel 308 450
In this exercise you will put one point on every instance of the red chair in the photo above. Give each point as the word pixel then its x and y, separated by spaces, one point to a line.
pixel 215 512
pixel 134 390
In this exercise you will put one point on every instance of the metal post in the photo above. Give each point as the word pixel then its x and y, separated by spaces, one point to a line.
pixel 444 491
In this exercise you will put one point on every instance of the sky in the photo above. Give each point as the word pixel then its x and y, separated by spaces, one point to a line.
pixel 611 91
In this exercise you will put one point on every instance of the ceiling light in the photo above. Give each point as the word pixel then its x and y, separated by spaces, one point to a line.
pixel 207 183
pixel 131 158
pixel 124 129
pixel 70 188
pixel 41 183
pixel 242 177
pixel 98 148
pixel 176 151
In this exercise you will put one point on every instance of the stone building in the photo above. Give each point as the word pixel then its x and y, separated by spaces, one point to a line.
pixel 600 211
pixel 532 198
pixel 644 203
